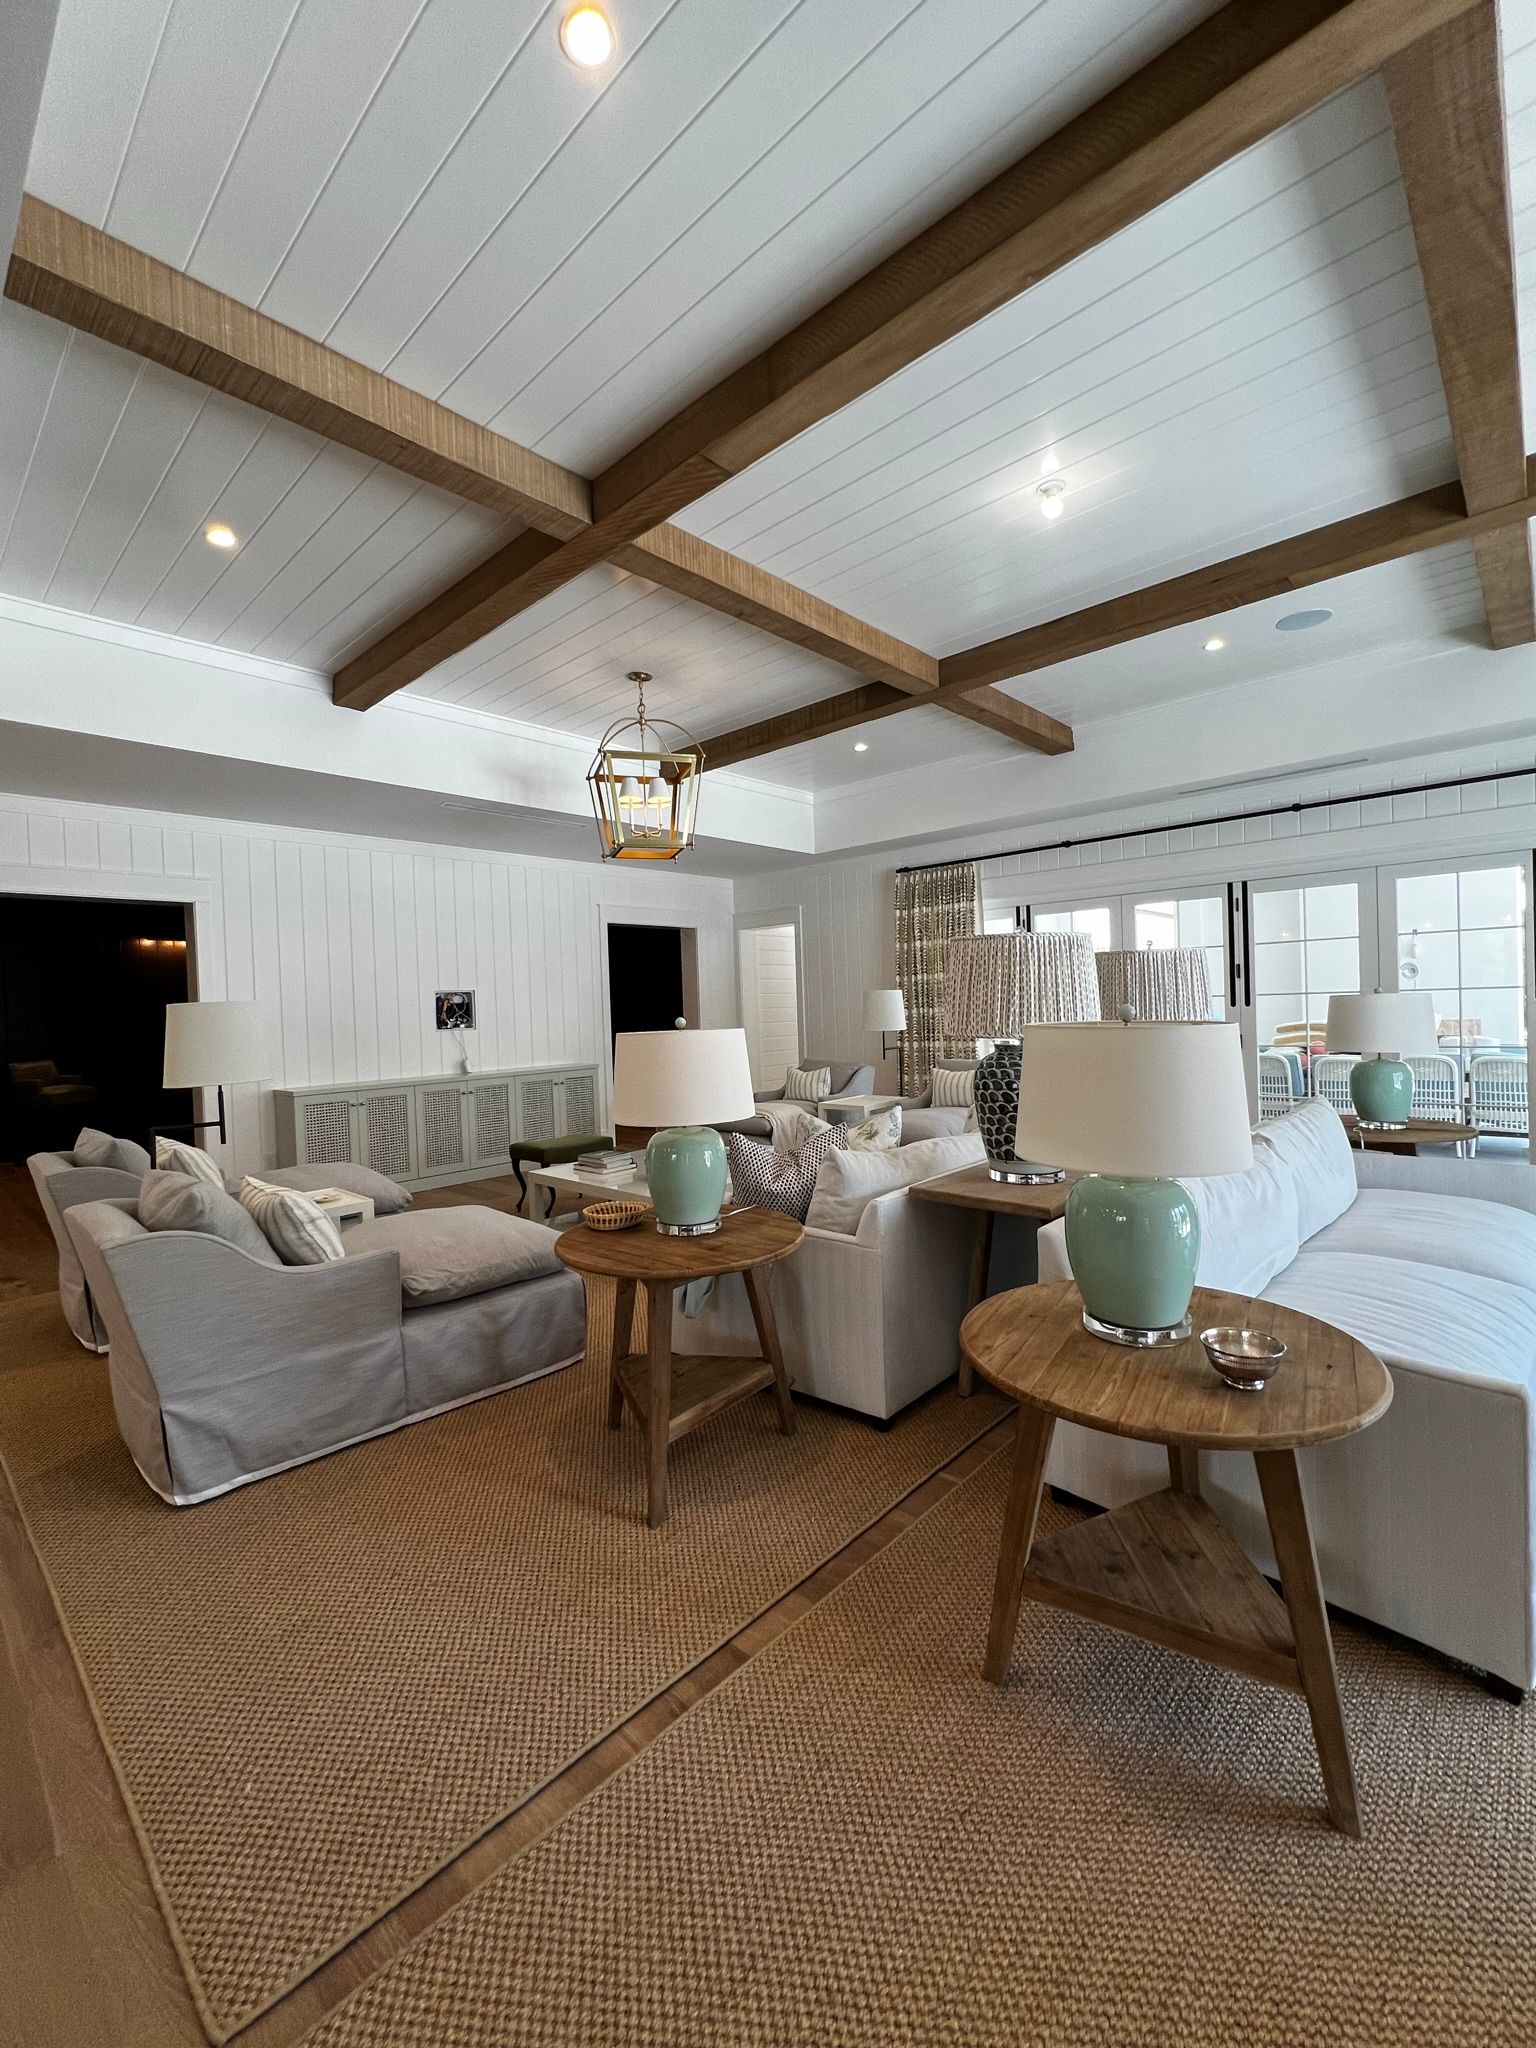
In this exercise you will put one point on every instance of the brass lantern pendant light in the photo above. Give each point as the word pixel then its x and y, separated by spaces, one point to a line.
pixel 645 785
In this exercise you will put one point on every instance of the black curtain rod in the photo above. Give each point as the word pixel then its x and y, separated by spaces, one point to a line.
pixel 1365 796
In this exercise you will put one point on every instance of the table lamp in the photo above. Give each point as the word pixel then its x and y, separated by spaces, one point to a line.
pixel 885 1011
pixel 1384 1029
pixel 677 1083
pixel 207 1044
pixel 1130 1106
pixel 994 986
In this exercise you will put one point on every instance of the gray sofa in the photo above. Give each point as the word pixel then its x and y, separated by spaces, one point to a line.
pixel 227 1366
pixel 848 1078
pixel 63 1179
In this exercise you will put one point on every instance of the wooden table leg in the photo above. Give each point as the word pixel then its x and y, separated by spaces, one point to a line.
pixel 1184 1470
pixel 1030 1446
pixel 756 1278
pixel 623 1314
pixel 981 1260
pixel 658 1305
pixel 1291 1535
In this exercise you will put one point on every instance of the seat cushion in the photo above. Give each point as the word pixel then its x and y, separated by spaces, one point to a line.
pixel 1313 1143
pixel 1248 1224
pixel 1438 1230
pixel 918 1125
pixel 387 1196
pixel 449 1254
pixel 96 1148
pixel 175 1201
pixel 1460 1325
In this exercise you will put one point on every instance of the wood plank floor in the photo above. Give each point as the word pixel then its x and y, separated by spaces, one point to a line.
pixel 87 1960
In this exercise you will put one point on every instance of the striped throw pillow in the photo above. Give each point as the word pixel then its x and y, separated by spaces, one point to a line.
pixel 807 1084
pixel 192 1160
pixel 764 1179
pixel 953 1087
pixel 297 1229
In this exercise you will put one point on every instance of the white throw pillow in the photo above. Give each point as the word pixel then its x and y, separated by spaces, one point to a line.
pixel 849 1181
pixel 297 1229
pixel 878 1133
pixel 953 1087
pixel 173 1157
pixel 807 1084
pixel 1248 1230
pixel 1314 1145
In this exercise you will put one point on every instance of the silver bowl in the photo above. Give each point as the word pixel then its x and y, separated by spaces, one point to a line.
pixel 1245 1359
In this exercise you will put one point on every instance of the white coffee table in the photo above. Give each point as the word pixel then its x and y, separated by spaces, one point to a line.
pixel 586 1187
pixel 853 1109
pixel 342 1206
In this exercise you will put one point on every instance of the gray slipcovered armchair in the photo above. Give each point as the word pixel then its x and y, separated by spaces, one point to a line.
pixel 919 1118
pixel 848 1078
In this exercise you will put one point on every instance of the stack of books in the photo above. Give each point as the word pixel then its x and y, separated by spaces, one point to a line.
pixel 615 1163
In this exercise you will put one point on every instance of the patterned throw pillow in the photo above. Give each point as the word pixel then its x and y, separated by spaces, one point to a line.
pixel 297 1229
pixel 953 1087
pixel 192 1160
pixel 878 1133
pixel 807 1084
pixel 764 1179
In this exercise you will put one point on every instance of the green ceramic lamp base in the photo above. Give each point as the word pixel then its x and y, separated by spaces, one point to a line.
pixel 1134 1246
pixel 685 1171
pixel 1382 1092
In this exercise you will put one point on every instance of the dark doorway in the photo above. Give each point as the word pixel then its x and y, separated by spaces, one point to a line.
pixel 645 976
pixel 83 990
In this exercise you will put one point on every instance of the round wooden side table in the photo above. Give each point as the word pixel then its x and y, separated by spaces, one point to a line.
pixel 1163 1567
pixel 669 1396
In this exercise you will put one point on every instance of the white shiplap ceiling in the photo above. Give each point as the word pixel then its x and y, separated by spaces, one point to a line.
pixel 430 187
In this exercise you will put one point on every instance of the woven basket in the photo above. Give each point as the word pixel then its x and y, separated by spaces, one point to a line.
pixel 619 1214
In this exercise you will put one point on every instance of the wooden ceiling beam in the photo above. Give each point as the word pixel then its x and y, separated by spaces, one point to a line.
pixel 1254 66
pixel 1446 94
pixel 75 273
pixel 1388 533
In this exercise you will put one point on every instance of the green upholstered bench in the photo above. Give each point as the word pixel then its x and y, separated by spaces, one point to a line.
pixel 552 1152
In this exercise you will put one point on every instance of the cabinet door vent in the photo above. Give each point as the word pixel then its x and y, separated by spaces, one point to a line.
pixel 327 1132
pixel 536 1104
pixel 387 1134
pixel 492 1122
pixel 442 1129
pixel 580 1104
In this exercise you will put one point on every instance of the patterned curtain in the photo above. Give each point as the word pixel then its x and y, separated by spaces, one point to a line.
pixel 933 906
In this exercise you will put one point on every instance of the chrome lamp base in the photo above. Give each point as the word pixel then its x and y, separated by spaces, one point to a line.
pixel 1135 1339
pixel 1024 1173
pixel 687 1229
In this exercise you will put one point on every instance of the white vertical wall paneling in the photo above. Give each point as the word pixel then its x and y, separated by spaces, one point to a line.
pixel 346 940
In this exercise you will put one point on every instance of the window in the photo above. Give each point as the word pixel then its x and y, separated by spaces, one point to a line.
pixel 1097 921
pixel 1188 921
pixel 1461 937
pixel 1306 947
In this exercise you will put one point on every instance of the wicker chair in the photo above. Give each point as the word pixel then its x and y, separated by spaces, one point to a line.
pixel 1277 1095
pixel 1500 1094
pixel 1330 1079
pixel 1437 1094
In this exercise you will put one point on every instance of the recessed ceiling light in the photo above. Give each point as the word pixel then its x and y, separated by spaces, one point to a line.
pixel 1215 644
pixel 219 536
pixel 1050 494
pixel 587 38
pixel 861 746
pixel 1302 622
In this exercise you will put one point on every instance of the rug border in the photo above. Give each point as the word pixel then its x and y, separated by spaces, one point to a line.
pixel 219 2033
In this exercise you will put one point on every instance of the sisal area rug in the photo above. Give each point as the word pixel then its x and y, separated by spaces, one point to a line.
pixel 318 1690
pixel 855 1842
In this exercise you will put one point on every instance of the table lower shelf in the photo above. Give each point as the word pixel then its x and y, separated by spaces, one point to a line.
pixel 1164 1568
pixel 701 1387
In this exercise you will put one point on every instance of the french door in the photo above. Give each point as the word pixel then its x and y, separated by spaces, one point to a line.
pixel 1300 939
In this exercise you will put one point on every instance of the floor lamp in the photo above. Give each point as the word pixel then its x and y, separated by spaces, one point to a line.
pixel 207 1044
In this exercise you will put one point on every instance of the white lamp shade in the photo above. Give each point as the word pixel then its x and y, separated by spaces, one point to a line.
pixel 885 1009
pixel 1148 1101
pixel 209 1043
pixel 664 1078
pixel 1399 1022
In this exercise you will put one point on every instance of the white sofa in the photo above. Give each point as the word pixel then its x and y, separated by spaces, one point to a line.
pixel 868 1318
pixel 1423 1523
